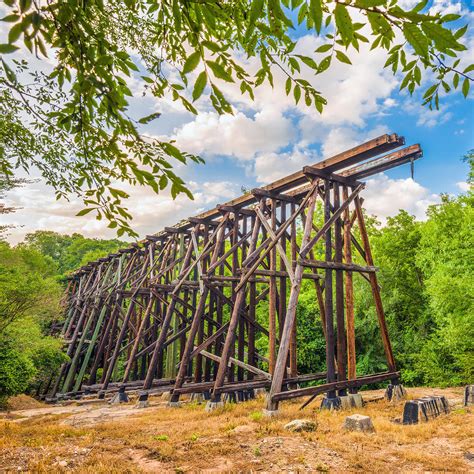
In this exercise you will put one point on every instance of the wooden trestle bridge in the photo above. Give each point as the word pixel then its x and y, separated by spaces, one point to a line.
pixel 177 312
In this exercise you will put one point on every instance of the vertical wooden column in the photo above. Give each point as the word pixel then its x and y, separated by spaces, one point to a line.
pixel 328 293
pixel 272 296
pixel 196 321
pixel 341 332
pixel 166 324
pixel 230 337
pixel 282 357
pixel 375 288
pixel 349 287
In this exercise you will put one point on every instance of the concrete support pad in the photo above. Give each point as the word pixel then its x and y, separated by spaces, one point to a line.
pixel 270 413
pixel 469 395
pixel 166 396
pixel 333 403
pixel 424 409
pixel 119 397
pixel 395 393
pixel 211 406
pixel 353 400
pixel 359 423
pixel 197 398
pixel 142 400
pixel 174 404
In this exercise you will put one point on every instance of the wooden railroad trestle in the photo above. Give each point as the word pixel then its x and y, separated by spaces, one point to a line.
pixel 177 312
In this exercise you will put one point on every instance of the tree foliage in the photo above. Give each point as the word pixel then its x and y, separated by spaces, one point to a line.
pixel 78 130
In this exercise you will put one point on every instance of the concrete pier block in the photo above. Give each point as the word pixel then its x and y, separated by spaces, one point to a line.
pixel 211 406
pixel 142 400
pixel 353 400
pixel 333 403
pixel 469 395
pixel 166 396
pixel 359 423
pixel 120 397
pixel 197 398
pixel 395 393
pixel 424 409
pixel 270 413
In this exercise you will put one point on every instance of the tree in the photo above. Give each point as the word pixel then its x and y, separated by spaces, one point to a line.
pixel 69 252
pixel 79 132
pixel 29 303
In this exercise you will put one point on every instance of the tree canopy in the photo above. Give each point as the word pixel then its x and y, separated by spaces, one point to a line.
pixel 73 122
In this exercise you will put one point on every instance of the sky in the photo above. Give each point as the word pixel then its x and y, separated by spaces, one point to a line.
pixel 271 137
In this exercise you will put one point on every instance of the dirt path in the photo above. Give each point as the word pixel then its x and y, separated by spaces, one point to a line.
pixel 97 437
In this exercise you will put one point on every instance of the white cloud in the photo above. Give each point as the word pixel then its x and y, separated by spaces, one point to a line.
pixel 235 135
pixel 271 166
pixel 384 197
pixel 463 186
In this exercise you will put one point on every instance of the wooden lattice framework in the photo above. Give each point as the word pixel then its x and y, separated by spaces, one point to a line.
pixel 177 312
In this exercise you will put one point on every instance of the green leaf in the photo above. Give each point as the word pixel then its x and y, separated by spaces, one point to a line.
pixel 85 211
pixel 324 64
pixel 219 71
pixel 149 118
pixel 118 193
pixel 344 23
pixel 297 93
pixel 256 10
pixel 416 38
pixel 469 69
pixel 199 86
pixel 316 12
pixel 10 18
pixel 442 37
pixel 342 57
pixel 15 32
pixel 323 48
pixel 191 62
pixel 288 86
pixel 7 48
pixel 465 87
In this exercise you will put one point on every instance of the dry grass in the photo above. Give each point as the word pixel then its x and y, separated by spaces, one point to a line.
pixel 235 438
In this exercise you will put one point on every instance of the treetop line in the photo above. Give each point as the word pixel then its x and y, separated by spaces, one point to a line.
pixel 177 312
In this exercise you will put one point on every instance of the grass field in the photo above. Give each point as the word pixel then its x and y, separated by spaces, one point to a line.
pixel 96 437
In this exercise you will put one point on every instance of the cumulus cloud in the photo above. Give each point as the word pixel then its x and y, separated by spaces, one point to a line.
pixel 463 186
pixel 272 166
pixel 238 135
pixel 384 197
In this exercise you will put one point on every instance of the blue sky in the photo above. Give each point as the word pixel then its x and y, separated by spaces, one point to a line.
pixel 271 137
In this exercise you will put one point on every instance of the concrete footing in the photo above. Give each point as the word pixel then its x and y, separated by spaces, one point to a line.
pixel 120 397
pixel 197 398
pixel 142 400
pixel 174 404
pixel 395 393
pixel 469 395
pixel 353 400
pixel 359 423
pixel 424 409
pixel 211 406
pixel 333 403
